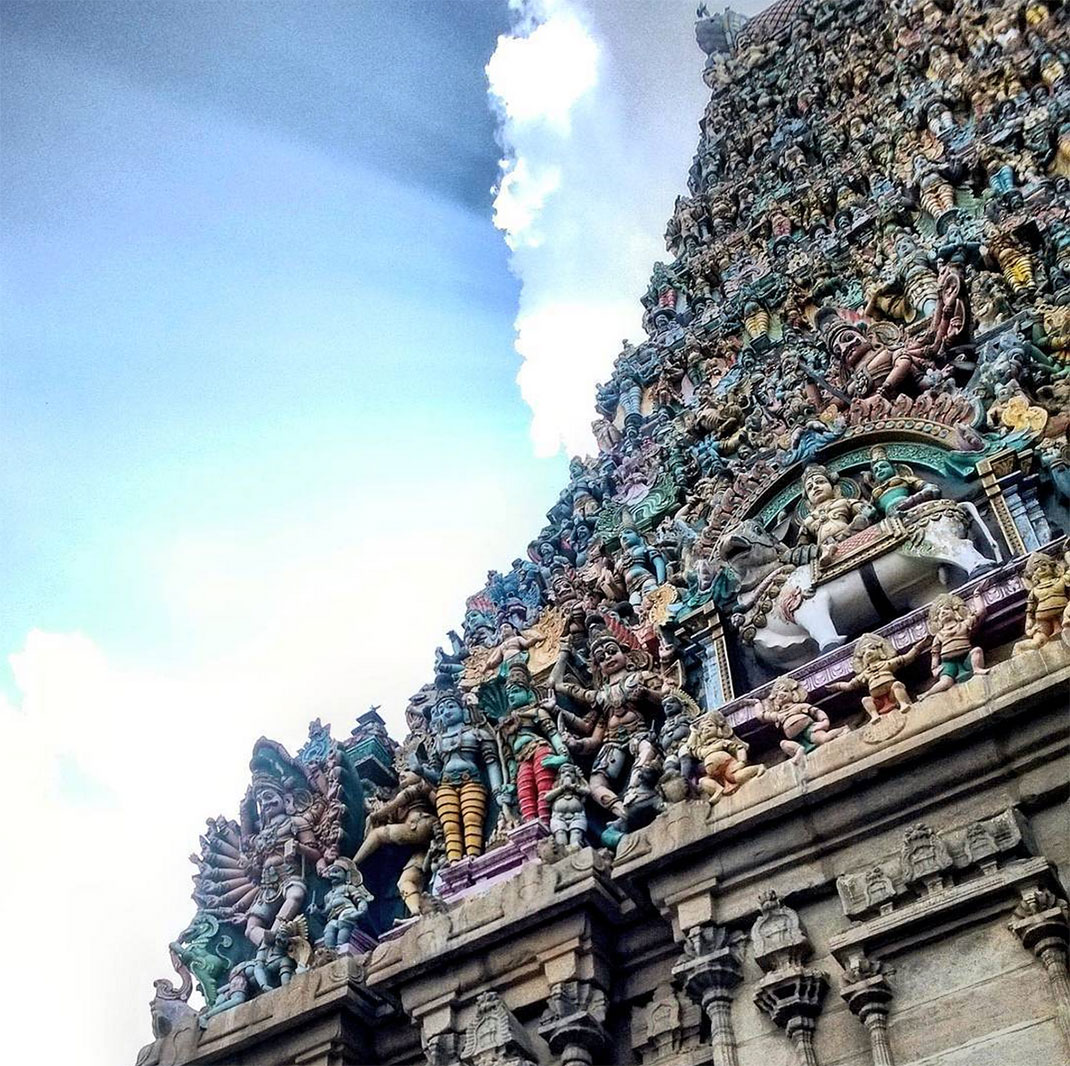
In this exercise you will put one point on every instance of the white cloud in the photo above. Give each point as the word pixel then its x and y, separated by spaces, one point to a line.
pixel 539 76
pixel 599 107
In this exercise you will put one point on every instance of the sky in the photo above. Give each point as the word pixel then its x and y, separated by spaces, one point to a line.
pixel 301 311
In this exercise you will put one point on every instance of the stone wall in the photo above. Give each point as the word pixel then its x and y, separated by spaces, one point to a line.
pixel 585 959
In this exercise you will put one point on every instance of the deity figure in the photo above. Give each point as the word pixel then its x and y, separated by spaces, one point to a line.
pixel 567 801
pixel 464 754
pixel 277 957
pixel 642 568
pixel 536 745
pixel 805 727
pixel 624 700
pixel 955 658
pixel 714 746
pixel 408 820
pixel 896 489
pixel 279 838
pixel 1047 601
pixel 908 289
pixel 346 900
pixel 513 647
pixel 875 663
pixel 239 988
pixel 831 516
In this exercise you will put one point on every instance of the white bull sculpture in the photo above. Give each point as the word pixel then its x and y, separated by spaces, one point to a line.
pixel 784 612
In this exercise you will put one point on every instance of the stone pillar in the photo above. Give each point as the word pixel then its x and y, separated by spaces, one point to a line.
pixel 869 995
pixel 789 994
pixel 710 973
pixel 572 1023
pixel 1040 923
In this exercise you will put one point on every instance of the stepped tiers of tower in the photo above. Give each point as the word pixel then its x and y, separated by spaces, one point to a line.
pixel 758 754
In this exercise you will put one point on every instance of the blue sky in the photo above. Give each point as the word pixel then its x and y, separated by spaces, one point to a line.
pixel 249 271
pixel 275 394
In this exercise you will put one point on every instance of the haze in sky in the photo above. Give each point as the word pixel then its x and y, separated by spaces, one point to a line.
pixel 270 272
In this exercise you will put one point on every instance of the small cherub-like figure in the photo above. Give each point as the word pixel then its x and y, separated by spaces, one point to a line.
pixel 346 900
pixel 1048 598
pixel 567 799
pixel 721 754
pixel 805 727
pixel 875 663
pixel 955 658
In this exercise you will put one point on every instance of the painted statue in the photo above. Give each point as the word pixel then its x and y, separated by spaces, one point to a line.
pixel 464 769
pixel 805 727
pixel 875 664
pixel 408 820
pixel 1047 599
pixel 568 807
pixel 624 699
pixel 720 755
pixel 955 657
pixel 535 746
pixel 346 900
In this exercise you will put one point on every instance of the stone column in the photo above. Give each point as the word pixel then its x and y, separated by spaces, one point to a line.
pixel 572 1023
pixel 709 974
pixel 1040 923
pixel 869 995
pixel 789 994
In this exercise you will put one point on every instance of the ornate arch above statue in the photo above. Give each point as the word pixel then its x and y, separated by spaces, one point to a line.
pixel 931 445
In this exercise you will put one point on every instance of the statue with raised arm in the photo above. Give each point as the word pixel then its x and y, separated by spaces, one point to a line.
pixel 624 700
pixel 346 900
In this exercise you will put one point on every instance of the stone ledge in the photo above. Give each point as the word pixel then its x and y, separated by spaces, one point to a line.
pixel 788 786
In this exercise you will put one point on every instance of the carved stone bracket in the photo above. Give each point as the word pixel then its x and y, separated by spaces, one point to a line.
pixel 572 1023
pixel 711 970
pixel 789 994
pixel 869 995
pixel 495 1038
pixel 444 1049
pixel 1040 923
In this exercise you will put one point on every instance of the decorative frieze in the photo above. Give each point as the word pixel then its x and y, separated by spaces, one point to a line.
pixel 495 1038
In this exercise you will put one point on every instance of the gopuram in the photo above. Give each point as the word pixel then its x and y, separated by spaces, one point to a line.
pixel 757 756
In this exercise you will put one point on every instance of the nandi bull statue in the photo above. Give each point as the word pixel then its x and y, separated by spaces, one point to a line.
pixel 790 609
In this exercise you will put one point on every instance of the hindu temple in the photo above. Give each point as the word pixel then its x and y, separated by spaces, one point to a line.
pixel 757 755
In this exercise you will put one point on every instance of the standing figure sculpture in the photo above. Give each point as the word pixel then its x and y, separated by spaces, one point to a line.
pixel 625 698
pixel 535 744
pixel 875 663
pixel 408 820
pixel 567 800
pixel 955 658
pixel 464 763
pixel 346 900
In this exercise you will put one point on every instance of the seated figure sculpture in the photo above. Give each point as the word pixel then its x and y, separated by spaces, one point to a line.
pixel 831 515
pixel 896 489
